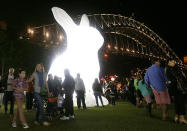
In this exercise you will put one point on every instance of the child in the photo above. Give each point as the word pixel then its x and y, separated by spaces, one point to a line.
pixel 20 87
pixel 112 97
pixel 146 92
pixel 61 104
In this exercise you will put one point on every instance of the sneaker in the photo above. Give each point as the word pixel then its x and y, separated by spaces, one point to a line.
pixel 72 117
pixel 25 126
pixel 64 118
pixel 46 123
pixel 14 125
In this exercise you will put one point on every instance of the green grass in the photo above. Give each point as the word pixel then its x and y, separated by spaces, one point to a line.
pixel 122 117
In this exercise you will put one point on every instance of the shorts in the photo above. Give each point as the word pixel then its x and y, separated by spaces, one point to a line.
pixel 147 98
pixel 1 98
pixel 162 97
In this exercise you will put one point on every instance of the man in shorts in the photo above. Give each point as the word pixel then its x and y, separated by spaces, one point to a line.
pixel 155 78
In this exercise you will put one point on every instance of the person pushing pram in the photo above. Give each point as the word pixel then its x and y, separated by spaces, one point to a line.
pixel 53 85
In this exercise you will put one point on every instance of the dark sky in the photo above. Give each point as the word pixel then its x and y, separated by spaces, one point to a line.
pixel 167 19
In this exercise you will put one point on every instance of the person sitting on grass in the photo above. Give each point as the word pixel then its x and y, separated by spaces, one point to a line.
pixel 20 87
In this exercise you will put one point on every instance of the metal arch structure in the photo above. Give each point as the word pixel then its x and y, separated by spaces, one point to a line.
pixel 129 36
pixel 122 35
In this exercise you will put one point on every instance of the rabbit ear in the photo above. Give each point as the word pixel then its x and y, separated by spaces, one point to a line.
pixel 63 19
pixel 84 20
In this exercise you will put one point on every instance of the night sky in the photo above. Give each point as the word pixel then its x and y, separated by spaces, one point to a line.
pixel 166 19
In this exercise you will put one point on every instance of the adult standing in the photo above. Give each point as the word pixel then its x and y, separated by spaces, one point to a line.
pixel 80 91
pixel 8 96
pixel 1 92
pixel 40 91
pixel 132 96
pixel 29 96
pixel 138 93
pixel 69 87
pixel 176 78
pixel 97 89
pixel 157 80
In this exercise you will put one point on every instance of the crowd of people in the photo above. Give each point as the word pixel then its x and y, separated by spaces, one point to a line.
pixel 51 96
pixel 47 94
pixel 160 84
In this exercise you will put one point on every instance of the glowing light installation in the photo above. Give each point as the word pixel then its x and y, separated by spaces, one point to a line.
pixel 81 55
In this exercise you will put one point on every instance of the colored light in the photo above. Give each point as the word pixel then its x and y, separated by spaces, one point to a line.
pixel 105 55
pixel 108 46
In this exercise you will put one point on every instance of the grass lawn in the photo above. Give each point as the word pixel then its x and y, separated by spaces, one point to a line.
pixel 122 117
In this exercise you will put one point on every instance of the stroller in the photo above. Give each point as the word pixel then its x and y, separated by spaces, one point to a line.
pixel 52 109
pixel 60 102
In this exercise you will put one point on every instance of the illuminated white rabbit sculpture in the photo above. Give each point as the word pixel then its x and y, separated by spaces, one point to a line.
pixel 81 55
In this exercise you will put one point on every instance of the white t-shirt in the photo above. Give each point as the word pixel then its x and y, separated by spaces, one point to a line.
pixel 9 82
pixel 79 84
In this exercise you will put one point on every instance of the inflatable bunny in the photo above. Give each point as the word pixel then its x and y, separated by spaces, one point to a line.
pixel 81 55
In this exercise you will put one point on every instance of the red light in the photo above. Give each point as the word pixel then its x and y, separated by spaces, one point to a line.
pixel 105 55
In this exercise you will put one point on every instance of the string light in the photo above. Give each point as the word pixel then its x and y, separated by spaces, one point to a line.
pixel 30 31
pixel 116 47
pixel 47 34
pixel 61 37
pixel 108 46
pixel 112 20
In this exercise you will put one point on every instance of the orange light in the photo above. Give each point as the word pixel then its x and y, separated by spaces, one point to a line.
pixel 105 55
pixel 185 59
pixel 119 85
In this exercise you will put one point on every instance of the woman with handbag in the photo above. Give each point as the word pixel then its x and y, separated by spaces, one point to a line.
pixel 40 91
